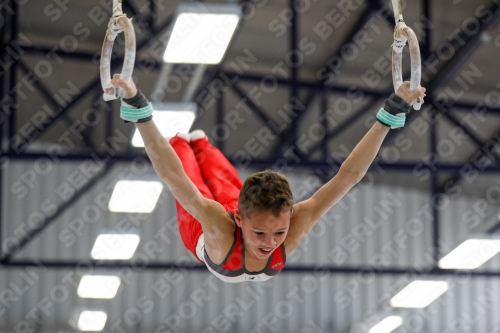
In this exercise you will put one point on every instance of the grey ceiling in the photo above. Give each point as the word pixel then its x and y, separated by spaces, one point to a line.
pixel 46 24
pixel 79 27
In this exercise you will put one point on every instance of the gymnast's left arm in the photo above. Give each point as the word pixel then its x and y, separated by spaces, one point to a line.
pixel 308 212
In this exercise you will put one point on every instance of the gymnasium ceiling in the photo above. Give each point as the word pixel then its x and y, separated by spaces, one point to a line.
pixel 362 39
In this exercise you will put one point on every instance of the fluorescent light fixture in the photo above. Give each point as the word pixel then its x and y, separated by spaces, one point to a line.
pixel 387 325
pixel 202 33
pixel 115 246
pixel 98 286
pixel 419 294
pixel 470 254
pixel 92 320
pixel 170 118
pixel 134 196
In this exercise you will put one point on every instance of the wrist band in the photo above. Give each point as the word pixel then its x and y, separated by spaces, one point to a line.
pixel 138 101
pixel 136 115
pixel 395 105
pixel 393 121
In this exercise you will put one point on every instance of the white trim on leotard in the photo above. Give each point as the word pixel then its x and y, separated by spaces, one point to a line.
pixel 200 252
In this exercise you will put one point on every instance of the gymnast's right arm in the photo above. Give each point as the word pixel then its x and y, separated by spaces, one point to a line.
pixel 169 168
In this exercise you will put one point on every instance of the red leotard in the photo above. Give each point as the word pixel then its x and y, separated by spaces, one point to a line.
pixel 217 180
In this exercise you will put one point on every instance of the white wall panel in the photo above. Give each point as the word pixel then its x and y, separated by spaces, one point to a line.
pixel 373 224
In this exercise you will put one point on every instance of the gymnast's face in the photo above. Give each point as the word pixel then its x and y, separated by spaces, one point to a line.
pixel 263 232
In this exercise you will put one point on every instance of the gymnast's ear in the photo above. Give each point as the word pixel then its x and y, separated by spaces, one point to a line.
pixel 237 217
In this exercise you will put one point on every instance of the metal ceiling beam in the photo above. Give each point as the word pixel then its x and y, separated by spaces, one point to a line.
pixel 291 131
pixel 14 32
pixel 426 50
pixel 346 124
pixel 436 225
pixel 109 128
pixel 31 234
pixel 468 106
pixel 333 88
pixel 195 266
pixel 328 74
pixel 1 202
pixel 471 46
pixel 446 74
pixel 439 80
pixel 215 72
pixel 449 69
pixel 303 84
pixel 139 17
pixel 321 85
pixel 152 13
pixel 3 45
pixel 62 112
pixel 476 140
pixel 219 114
pixel 351 120
pixel 457 177
pixel 63 207
pixel 94 84
pixel 474 44
pixel 3 93
pixel 91 57
pixel 44 91
pixel 261 114
pixel 434 84
pixel 87 57
pixel 340 89
pixel 324 111
pixel 316 87
pixel 255 163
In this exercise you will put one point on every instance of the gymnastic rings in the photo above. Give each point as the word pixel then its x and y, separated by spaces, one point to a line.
pixel 118 23
pixel 402 34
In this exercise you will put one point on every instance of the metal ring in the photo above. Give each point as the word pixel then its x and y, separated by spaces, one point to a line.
pixel 117 24
pixel 402 34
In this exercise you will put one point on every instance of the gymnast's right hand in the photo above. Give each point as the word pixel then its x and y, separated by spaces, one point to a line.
pixel 128 87
pixel 135 106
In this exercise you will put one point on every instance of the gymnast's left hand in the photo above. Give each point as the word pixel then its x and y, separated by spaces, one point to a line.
pixel 410 96
pixel 128 87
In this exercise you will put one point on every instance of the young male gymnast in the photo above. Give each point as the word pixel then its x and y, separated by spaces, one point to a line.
pixel 245 231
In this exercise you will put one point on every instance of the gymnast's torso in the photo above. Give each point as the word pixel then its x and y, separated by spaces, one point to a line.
pixel 233 269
